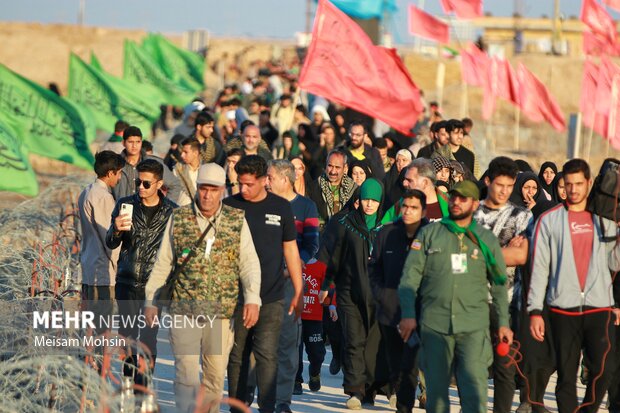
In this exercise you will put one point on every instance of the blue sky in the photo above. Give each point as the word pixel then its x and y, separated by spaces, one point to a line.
pixel 248 18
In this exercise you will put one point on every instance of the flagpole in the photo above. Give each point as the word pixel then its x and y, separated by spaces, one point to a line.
pixel 464 100
pixel 418 39
pixel 589 145
pixel 517 128
pixel 441 76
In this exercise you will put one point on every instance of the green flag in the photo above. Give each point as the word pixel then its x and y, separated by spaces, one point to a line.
pixel 183 67
pixel 94 61
pixel 15 169
pixel 140 67
pixel 53 126
pixel 110 98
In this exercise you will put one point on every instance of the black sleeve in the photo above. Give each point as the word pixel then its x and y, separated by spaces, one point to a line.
pixel 220 155
pixel 376 164
pixel 112 241
pixel 331 250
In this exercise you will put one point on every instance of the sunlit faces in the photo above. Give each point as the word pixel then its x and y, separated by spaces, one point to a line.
pixel 114 177
pixel 401 161
pixel 561 189
pixel 133 145
pixel 251 137
pixel 456 137
pixel 443 175
pixel 577 187
pixel 300 168
pixel 148 179
pixel 209 198
pixel 499 190
pixel 276 182
pixel 529 189
pixel 461 207
pixel 206 130
pixel 356 134
pixel 383 152
pixel 232 160
pixel 335 168
pixel 413 180
pixel 369 206
pixel 329 136
pixel 442 137
pixel 548 175
pixel 252 188
pixel 358 175
pixel 411 210
pixel 189 155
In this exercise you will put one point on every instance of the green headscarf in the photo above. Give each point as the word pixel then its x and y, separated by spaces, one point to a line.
pixel 496 275
pixel 371 189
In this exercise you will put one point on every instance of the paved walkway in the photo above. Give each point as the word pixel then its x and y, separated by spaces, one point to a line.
pixel 329 399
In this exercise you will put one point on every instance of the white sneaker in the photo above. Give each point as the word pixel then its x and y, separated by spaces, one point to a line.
pixel 393 401
pixel 354 403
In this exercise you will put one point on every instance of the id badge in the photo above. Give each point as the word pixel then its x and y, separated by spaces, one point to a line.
pixel 208 247
pixel 459 263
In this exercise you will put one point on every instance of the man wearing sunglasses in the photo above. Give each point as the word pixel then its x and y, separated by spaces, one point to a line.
pixel 139 235
pixel 134 154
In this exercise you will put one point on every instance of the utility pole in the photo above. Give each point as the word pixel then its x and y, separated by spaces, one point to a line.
pixel 81 11
pixel 557 29
pixel 308 15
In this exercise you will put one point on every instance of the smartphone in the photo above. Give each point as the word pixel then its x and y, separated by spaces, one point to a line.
pixel 127 209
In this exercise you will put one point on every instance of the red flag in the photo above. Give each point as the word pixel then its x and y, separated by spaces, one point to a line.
pixel 594 16
pixel 536 102
pixel 474 65
pixel 605 75
pixel 344 66
pixel 588 93
pixel 425 25
pixel 595 45
pixel 614 4
pixel 501 82
pixel 464 9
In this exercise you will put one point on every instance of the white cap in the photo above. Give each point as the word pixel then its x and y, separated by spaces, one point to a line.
pixel 211 174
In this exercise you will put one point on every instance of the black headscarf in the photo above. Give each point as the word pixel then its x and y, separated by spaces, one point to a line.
pixel 541 178
pixel 554 188
pixel 361 164
pixel 542 203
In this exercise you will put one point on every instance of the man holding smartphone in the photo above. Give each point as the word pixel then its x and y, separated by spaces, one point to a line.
pixel 139 234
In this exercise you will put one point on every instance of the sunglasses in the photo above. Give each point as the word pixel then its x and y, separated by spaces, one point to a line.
pixel 145 184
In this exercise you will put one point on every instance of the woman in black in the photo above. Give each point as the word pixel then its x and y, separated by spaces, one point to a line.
pixel 346 247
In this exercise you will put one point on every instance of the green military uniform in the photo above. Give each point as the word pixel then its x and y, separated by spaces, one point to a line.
pixel 447 273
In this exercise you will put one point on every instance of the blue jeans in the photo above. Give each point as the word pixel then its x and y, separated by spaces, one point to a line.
pixel 262 340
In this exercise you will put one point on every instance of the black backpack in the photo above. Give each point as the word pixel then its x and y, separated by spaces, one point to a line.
pixel 603 198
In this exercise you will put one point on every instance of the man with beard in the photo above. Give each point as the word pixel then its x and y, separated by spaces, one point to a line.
pixel 449 268
pixel 440 139
pixel 359 150
pixel 574 255
pixel 332 190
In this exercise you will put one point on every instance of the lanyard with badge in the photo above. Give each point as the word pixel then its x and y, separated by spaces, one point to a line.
pixel 459 260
